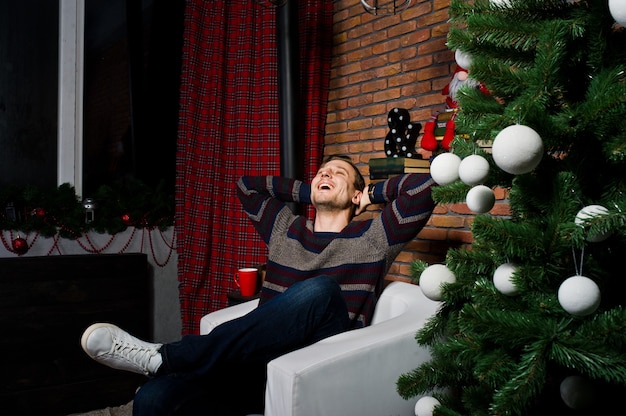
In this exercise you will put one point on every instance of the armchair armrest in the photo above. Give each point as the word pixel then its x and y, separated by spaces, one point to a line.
pixel 354 373
pixel 213 319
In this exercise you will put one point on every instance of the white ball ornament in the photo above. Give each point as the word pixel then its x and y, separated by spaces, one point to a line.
pixel 587 213
pixel 473 170
pixel 425 406
pixel 480 199
pixel 502 279
pixel 432 278
pixel 444 168
pixel 577 392
pixel 463 59
pixel 579 295
pixel 618 11
pixel 517 149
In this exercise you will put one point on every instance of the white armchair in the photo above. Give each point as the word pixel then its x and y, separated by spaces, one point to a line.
pixel 353 373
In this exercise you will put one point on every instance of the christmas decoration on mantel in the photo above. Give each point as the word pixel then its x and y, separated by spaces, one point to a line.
pixel 159 244
pixel 60 213
pixel 533 317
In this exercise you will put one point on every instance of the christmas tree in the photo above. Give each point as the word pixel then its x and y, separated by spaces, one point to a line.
pixel 532 318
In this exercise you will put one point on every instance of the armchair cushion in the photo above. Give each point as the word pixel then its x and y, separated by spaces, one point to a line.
pixel 353 373
pixel 210 321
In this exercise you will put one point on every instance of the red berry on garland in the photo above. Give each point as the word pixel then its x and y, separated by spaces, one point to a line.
pixel 20 245
pixel 126 219
pixel 39 212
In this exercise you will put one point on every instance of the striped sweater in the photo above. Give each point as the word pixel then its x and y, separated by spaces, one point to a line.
pixel 358 257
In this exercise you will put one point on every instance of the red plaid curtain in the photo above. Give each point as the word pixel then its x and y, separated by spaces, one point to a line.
pixel 228 127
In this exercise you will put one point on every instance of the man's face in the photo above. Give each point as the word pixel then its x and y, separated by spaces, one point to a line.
pixel 333 186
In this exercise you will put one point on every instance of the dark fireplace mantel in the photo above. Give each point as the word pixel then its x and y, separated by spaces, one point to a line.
pixel 45 304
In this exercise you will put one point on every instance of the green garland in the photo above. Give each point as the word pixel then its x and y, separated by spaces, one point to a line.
pixel 128 203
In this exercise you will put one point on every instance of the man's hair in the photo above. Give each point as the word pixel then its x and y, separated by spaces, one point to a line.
pixel 359 182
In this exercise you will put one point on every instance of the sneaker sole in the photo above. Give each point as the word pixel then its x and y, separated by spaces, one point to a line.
pixel 89 330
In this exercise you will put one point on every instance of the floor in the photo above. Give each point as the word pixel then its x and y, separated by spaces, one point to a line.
pixel 124 410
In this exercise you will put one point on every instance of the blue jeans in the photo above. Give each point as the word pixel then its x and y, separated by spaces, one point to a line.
pixel 223 372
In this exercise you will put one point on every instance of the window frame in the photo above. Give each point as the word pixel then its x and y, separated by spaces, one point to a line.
pixel 70 96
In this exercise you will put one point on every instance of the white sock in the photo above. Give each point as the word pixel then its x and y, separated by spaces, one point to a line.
pixel 155 363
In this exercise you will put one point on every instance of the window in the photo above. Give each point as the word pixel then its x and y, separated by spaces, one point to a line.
pixel 89 91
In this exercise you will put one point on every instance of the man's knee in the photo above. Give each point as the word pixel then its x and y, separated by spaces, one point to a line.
pixel 325 292
pixel 323 286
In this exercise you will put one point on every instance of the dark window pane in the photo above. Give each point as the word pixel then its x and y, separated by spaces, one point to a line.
pixel 107 150
pixel 132 72
pixel 29 32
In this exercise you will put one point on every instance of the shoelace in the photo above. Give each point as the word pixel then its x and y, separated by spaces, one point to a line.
pixel 136 354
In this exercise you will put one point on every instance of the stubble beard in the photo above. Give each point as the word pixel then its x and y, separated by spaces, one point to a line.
pixel 332 205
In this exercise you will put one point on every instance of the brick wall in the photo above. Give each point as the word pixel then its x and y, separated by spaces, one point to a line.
pixel 386 61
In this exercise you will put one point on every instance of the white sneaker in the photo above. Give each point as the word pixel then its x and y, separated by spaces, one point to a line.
pixel 116 348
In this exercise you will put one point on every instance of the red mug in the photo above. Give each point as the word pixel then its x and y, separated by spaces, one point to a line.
pixel 246 280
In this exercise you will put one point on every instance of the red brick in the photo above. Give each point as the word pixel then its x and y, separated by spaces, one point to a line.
pixel 358 55
pixel 374 38
pixel 402 79
pixel 421 8
pixel 402 55
pixel 404 103
pixel 429 233
pixel 360 100
pixel 349 69
pixel 375 85
pixel 447 221
pixel 415 37
pixel 349 23
pixel 387 22
pixel 402 28
pixel 461 236
pixel 433 18
pixel 461 208
pixel 336 128
pixel 359 124
pixel 389 45
pixel 501 209
pixel 440 4
pixel 373 110
pixel 501 193
pixel 388 70
pixel 374 62
pixel 347 114
pixel 390 94
pixel 350 91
